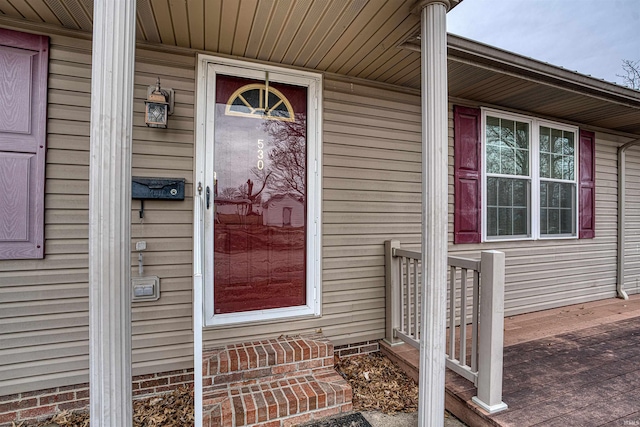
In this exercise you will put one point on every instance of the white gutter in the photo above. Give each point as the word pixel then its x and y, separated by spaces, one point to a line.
pixel 621 215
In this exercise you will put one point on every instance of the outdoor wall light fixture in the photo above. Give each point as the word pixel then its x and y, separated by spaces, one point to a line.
pixel 158 106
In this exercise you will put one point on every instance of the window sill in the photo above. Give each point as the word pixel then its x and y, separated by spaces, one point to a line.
pixel 261 317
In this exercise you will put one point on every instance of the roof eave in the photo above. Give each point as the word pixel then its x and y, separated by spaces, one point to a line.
pixel 489 57
pixel 492 58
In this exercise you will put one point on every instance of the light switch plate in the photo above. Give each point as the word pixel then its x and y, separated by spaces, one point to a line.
pixel 145 288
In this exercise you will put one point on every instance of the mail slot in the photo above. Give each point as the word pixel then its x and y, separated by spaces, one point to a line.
pixel 157 188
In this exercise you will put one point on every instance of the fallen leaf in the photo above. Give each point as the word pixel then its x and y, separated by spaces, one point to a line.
pixel 378 384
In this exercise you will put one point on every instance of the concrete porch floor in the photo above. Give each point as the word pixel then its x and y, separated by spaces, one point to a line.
pixel 571 366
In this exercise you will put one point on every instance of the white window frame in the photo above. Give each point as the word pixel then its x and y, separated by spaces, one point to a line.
pixel 208 67
pixel 534 169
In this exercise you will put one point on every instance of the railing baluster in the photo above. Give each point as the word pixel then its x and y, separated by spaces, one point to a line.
pixel 463 316
pixel 406 300
pixel 474 321
pixel 452 312
pixel 401 275
pixel 407 284
pixel 416 301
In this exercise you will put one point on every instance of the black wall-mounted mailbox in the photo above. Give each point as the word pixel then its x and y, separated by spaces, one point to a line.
pixel 157 188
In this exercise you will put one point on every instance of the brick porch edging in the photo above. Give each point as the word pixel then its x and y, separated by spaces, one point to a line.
pixel 41 404
pixel 349 350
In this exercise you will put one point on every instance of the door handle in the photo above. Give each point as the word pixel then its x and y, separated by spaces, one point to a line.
pixel 208 197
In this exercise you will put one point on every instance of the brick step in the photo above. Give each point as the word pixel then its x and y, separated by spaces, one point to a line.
pixel 272 383
pixel 289 352
pixel 283 402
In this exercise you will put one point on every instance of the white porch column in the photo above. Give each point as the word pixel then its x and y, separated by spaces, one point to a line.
pixel 434 211
pixel 110 213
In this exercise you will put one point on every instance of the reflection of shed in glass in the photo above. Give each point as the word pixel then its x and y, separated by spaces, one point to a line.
pixel 283 211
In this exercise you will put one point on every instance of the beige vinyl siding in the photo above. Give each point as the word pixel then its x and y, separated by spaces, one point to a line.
pixel 371 193
pixel 44 303
pixel 162 330
pixel 632 223
pixel 543 274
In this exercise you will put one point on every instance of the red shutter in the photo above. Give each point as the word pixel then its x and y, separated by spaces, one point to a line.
pixel 587 191
pixel 23 108
pixel 467 175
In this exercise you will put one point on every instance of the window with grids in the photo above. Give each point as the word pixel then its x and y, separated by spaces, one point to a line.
pixel 530 179
pixel 508 177
pixel 557 182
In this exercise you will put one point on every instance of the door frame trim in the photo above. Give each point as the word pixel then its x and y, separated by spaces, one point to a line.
pixel 207 67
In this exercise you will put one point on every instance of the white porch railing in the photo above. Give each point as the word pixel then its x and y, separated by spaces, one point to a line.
pixel 475 307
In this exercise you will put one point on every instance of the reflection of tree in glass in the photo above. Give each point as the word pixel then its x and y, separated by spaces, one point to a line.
pixel 507 147
pixel 287 155
pixel 244 196
pixel 247 193
pixel 557 154
pixel 229 193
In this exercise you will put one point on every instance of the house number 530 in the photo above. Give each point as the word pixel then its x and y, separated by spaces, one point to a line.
pixel 260 154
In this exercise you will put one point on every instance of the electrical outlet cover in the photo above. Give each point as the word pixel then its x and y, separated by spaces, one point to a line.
pixel 145 288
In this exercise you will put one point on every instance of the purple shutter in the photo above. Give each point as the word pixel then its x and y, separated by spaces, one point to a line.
pixel 467 175
pixel 587 191
pixel 23 108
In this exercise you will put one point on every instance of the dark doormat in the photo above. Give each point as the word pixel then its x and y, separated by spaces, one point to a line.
pixel 350 420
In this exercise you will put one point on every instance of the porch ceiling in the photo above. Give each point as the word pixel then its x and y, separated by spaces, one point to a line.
pixel 350 37
pixel 358 38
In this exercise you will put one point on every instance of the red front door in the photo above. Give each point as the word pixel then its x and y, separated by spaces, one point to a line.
pixel 260 136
